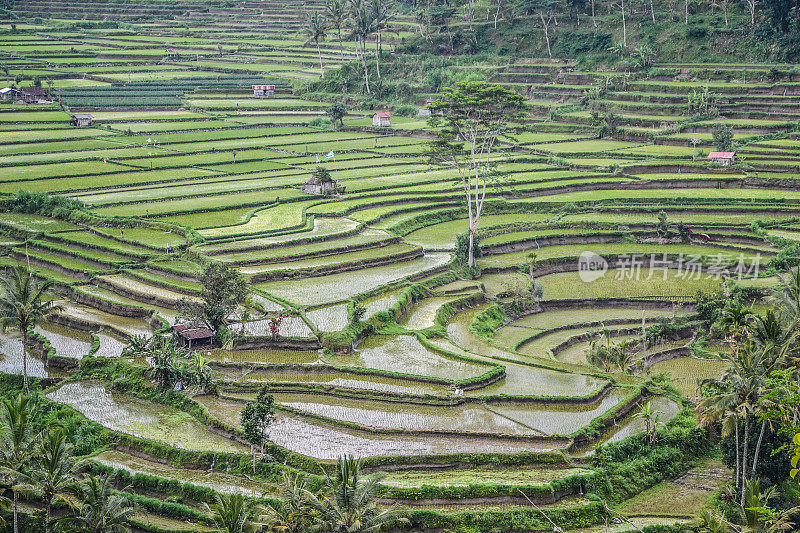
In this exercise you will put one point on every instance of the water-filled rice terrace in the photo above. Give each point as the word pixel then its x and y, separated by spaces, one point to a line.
pixel 182 165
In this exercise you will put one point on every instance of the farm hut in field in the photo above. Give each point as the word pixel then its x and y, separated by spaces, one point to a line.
pixel 33 95
pixel 382 119
pixel 7 94
pixel 81 120
pixel 319 186
pixel 193 336
pixel 724 159
pixel 263 90
pixel 425 111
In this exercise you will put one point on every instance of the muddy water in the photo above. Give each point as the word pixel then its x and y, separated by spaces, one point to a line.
pixel 110 345
pixel 330 318
pixel 338 287
pixel 404 353
pixel 422 314
pixel 323 441
pixel 142 419
pixel 524 380
pixel 67 342
pixel 224 483
pixel 466 417
pixel 564 419
pixel 341 379
pixel 381 302
pixel 292 326
pixel 630 425
pixel 263 356
pixel 11 357
pixel 130 326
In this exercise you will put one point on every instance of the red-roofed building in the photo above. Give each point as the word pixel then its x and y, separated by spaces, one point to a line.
pixel 723 158
pixel 263 90
pixel 382 119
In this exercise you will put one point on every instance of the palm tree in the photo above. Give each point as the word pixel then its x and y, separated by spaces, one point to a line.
pixel 294 512
pixel 738 395
pixel 316 29
pixel 335 13
pixel 98 509
pixel 232 514
pixel 352 503
pixel 363 24
pixel 651 418
pixel 734 319
pixel 381 14
pixel 787 298
pixel 771 329
pixel 16 443
pixel 601 353
pixel 53 469
pixel 23 305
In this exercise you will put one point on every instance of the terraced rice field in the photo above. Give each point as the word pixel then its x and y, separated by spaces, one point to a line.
pixel 183 165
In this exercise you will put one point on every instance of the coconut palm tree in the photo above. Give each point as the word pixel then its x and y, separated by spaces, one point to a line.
pixel 53 469
pixel 787 298
pixel 336 15
pixel 294 512
pixel 352 503
pixel 770 329
pixel 97 508
pixel 16 444
pixel 734 320
pixel 363 25
pixel 23 305
pixel 316 30
pixel 382 12
pixel 739 394
pixel 651 418
pixel 233 514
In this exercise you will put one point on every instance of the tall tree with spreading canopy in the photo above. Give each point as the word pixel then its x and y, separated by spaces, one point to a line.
pixel 23 304
pixel 224 290
pixel 256 417
pixel 474 116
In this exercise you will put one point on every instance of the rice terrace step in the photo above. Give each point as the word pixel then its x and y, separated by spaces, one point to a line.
pixel 496 270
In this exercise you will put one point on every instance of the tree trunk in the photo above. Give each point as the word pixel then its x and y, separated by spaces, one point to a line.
pixel 744 455
pixel 378 57
pixel 25 360
pixel 16 505
pixel 546 34
pixel 624 27
pixel 471 257
pixel 594 20
pixel 686 12
pixel 497 13
pixel 758 446
pixel 736 441
pixel 47 507
pixel 341 46
pixel 319 53
pixel 652 11
pixel 364 64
